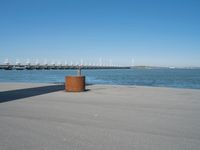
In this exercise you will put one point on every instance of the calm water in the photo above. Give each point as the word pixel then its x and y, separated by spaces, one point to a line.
pixel 180 78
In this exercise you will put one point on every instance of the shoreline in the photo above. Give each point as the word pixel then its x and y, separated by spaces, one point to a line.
pixel 90 84
pixel 44 116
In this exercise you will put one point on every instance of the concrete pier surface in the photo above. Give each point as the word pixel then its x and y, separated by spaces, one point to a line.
pixel 105 117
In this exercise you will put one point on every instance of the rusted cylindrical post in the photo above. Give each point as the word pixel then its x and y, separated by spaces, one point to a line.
pixel 75 83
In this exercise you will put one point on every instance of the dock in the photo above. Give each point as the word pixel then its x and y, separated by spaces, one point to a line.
pixel 38 116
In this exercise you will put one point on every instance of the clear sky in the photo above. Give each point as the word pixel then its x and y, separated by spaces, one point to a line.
pixel 153 32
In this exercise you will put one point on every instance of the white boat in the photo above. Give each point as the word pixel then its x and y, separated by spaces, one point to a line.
pixel 19 67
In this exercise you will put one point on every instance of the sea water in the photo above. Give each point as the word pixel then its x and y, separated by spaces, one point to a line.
pixel 179 78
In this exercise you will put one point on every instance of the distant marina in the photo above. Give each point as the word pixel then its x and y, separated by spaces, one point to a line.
pixel 57 67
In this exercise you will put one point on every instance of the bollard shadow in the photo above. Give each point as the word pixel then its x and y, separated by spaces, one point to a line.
pixel 87 90
pixel 11 95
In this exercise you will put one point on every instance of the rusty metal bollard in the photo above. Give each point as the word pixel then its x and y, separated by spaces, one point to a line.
pixel 75 83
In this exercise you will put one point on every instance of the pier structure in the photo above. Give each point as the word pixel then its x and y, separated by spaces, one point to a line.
pixel 56 66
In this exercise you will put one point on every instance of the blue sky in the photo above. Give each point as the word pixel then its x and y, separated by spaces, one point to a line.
pixel 153 32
